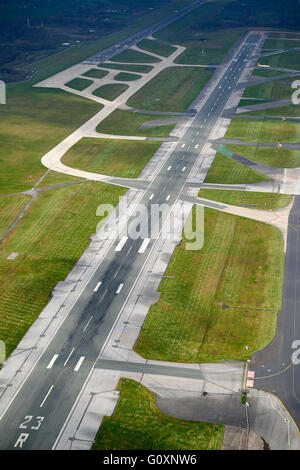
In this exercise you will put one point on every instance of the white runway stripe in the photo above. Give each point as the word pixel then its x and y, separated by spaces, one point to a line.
pixel 121 244
pixel 52 361
pixel 144 245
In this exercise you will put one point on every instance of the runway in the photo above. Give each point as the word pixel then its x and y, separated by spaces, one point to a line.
pixel 37 414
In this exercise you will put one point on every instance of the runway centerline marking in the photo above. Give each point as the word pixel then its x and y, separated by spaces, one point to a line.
pixel 66 361
pixel 49 366
pixel 47 395
pixel 87 323
pixel 79 363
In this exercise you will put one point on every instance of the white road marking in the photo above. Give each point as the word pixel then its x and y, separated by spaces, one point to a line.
pixel 196 146
pixel 47 395
pixel 87 324
pixel 144 245
pixel 116 273
pixel 97 287
pixel 183 145
pixel 66 361
pixel 168 197
pixel 78 365
pixel 103 295
pixel 119 288
pixel 151 197
pixel 129 251
pixel 169 168
pixel 183 169
pixel 52 361
pixel 121 244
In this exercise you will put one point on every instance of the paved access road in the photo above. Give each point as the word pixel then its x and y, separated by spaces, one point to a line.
pixel 36 416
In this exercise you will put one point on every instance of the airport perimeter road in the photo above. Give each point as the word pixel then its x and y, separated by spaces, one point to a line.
pixel 123 45
pixel 274 369
pixel 38 413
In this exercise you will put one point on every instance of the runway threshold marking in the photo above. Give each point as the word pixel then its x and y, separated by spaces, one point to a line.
pixel 97 287
pixel 119 288
pixel 79 363
pixel 52 361
pixel 121 244
pixel 144 245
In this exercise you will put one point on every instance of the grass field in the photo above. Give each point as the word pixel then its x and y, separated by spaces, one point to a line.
pixel 246 102
pixel 280 44
pixel 33 121
pixel 266 73
pixel 111 157
pixel 277 157
pixel 156 47
pixel 50 239
pixel 281 111
pixel 127 123
pixel 10 208
pixel 79 84
pixel 128 68
pixel 130 55
pixel 212 50
pixel 95 73
pixel 137 423
pixel 268 90
pixel 289 60
pixel 265 201
pixel 241 267
pixel 173 89
pixel 111 91
pixel 263 131
pixel 127 77
pixel 228 171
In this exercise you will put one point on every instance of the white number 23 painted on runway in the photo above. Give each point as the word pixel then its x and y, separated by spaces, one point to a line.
pixel 28 418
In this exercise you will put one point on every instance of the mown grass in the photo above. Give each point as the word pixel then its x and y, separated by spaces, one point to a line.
pixel 110 92
pixel 54 178
pixel 33 121
pixel 128 68
pixel 247 102
pixel 85 49
pixel 264 201
pixel 240 268
pixel 10 208
pixel 137 423
pixel 79 84
pixel 50 239
pixel 263 131
pixel 268 90
pixel 95 73
pixel 280 43
pixel 277 157
pixel 228 171
pixel 156 47
pixel 212 50
pixel 111 157
pixel 128 123
pixel 266 73
pixel 291 110
pixel 173 89
pixel 130 55
pixel 127 77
